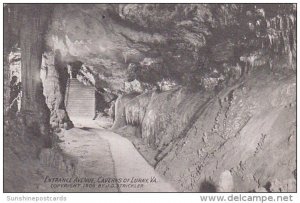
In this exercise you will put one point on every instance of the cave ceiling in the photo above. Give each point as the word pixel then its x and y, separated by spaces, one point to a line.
pixel 180 42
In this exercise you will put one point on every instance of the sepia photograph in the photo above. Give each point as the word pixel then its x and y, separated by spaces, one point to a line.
pixel 149 97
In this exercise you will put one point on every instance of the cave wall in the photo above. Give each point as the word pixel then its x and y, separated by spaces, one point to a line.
pixel 238 131
pixel 6 51
pixel 155 112
pixel 213 54
pixel 25 27
pixel 52 90
pixel 245 133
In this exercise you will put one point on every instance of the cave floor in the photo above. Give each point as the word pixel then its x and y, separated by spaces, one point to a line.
pixel 102 154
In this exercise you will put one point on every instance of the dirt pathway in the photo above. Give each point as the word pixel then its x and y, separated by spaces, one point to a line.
pixel 94 158
pixel 102 153
pixel 130 165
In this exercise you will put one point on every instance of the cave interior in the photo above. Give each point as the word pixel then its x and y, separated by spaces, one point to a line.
pixel 206 93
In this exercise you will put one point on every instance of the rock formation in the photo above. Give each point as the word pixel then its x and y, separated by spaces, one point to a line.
pixel 209 88
pixel 53 93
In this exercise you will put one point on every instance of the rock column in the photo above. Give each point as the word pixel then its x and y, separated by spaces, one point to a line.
pixel 34 23
pixel 52 91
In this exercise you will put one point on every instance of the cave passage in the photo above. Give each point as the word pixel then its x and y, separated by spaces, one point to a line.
pixel 153 97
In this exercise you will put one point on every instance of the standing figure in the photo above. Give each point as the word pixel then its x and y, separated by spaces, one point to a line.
pixel 15 89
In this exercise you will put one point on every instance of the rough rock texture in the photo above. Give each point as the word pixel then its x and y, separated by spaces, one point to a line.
pixel 6 44
pixel 222 115
pixel 199 45
pixel 53 93
pixel 153 111
pixel 30 30
pixel 14 59
pixel 12 68
pixel 238 130
pixel 120 118
pixel 133 86
pixel 187 43
pixel 27 163
pixel 243 135
pixel 22 169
